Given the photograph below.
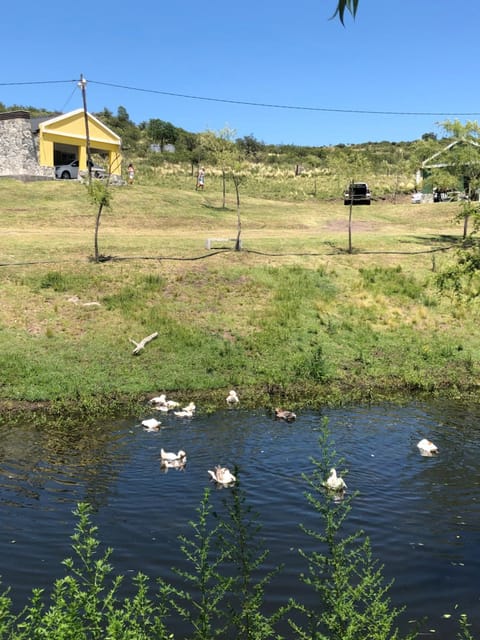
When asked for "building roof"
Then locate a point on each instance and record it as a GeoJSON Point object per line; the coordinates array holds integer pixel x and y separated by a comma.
{"type": "Point", "coordinates": [427, 164]}
{"type": "Point", "coordinates": [67, 121]}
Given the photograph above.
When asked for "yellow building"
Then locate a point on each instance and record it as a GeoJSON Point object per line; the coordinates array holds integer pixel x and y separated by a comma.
{"type": "Point", "coordinates": [64, 138]}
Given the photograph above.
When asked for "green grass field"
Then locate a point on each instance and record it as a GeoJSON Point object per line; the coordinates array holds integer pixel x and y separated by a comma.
{"type": "Point", "coordinates": [293, 315]}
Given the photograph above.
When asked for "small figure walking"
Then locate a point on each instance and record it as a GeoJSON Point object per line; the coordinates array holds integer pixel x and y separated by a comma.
{"type": "Point", "coordinates": [200, 179]}
{"type": "Point", "coordinates": [131, 173]}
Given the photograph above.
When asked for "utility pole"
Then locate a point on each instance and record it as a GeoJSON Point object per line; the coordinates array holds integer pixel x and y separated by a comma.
{"type": "Point", "coordinates": [83, 86]}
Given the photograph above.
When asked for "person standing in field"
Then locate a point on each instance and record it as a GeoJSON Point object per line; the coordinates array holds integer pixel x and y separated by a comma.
{"type": "Point", "coordinates": [200, 179]}
{"type": "Point", "coordinates": [131, 173]}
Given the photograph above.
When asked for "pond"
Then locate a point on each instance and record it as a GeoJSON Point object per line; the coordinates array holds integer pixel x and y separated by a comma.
{"type": "Point", "coordinates": [422, 513]}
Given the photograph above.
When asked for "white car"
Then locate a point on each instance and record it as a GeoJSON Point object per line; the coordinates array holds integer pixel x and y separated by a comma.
{"type": "Point", "coordinates": [70, 171]}
{"type": "Point", "coordinates": [416, 198]}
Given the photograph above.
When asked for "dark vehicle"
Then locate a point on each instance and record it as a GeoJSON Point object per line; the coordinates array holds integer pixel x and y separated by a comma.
{"type": "Point", "coordinates": [357, 193]}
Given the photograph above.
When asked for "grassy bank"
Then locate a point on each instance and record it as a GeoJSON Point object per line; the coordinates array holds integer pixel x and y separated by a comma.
{"type": "Point", "coordinates": [293, 314]}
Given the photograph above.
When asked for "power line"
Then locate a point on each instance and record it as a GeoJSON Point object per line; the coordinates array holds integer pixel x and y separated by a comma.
{"type": "Point", "coordinates": [12, 84]}
{"type": "Point", "coordinates": [283, 106]}
{"type": "Point", "coordinates": [265, 105]}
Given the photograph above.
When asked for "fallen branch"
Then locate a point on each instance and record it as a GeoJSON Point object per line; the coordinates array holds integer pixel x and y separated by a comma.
{"type": "Point", "coordinates": [140, 345]}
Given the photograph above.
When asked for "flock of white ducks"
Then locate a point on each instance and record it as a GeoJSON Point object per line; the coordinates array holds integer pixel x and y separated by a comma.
{"type": "Point", "coordinates": [178, 460]}
{"type": "Point", "coordinates": [222, 475]}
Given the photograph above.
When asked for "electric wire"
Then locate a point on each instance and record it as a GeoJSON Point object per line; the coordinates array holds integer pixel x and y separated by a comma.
{"type": "Point", "coordinates": [285, 106]}
{"type": "Point", "coordinates": [252, 103]}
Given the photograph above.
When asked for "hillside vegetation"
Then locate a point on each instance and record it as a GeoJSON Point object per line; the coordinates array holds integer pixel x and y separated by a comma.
{"type": "Point", "coordinates": [295, 315]}
{"type": "Point", "coordinates": [273, 171]}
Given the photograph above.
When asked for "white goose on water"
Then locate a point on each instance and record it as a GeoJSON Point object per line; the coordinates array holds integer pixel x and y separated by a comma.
{"type": "Point", "coordinates": [334, 482]}
{"type": "Point", "coordinates": [222, 475]}
{"type": "Point", "coordinates": [427, 448]}
{"type": "Point", "coordinates": [151, 424]}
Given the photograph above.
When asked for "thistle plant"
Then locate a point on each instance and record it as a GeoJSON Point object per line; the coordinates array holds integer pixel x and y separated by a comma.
{"type": "Point", "coordinates": [244, 552]}
{"type": "Point", "coordinates": [353, 600]}
{"type": "Point", "coordinates": [86, 603]}
{"type": "Point", "coordinates": [200, 603]}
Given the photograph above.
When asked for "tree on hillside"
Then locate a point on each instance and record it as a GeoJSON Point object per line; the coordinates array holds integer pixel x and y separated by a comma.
{"type": "Point", "coordinates": [122, 126]}
{"type": "Point", "coordinates": [462, 276]}
{"type": "Point", "coordinates": [250, 147]}
{"type": "Point", "coordinates": [161, 132]}
{"type": "Point", "coordinates": [188, 145]}
{"type": "Point", "coordinates": [219, 146]}
{"type": "Point", "coordinates": [222, 150]}
{"type": "Point", "coordinates": [464, 164]}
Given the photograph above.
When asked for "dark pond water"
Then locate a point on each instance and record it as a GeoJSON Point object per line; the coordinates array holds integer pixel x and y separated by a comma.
{"type": "Point", "coordinates": [422, 514]}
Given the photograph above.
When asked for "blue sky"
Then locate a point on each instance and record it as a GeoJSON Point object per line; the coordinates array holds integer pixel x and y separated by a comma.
{"type": "Point", "coordinates": [400, 56]}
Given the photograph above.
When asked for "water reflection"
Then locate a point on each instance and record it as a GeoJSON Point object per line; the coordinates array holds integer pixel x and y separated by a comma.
{"type": "Point", "coordinates": [422, 514]}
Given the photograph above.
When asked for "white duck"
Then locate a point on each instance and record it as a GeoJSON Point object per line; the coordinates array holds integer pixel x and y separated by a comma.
{"type": "Point", "coordinates": [170, 456]}
{"type": "Point", "coordinates": [222, 475]}
{"type": "Point", "coordinates": [232, 398]}
{"type": "Point", "coordinates": [285, 414]}
{"type": "Point", "coordinates": [167, 406]}
{"type": "Point", "coordinates": [174, 464]}
{"type": "Point", "coordinates": [427, 448]}
{"type": "Point", "coordinates": [151, 424]}
{"type": "Point", "coordinates": [334, 482]}
{"type": "Point", "coordinates": [171, 460]}
{"type": "Point", "coordinates": [159, 400]}
{"type": "Point", "coordinates": [186, 412]}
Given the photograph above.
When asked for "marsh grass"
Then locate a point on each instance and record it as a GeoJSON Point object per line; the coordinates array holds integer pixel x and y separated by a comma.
{"type": "Point", "coordinates": [292, 311]}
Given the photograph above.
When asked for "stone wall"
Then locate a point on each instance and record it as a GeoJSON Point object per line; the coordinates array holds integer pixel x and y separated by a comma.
{"type": "Point", "coordinates": [18, 150]}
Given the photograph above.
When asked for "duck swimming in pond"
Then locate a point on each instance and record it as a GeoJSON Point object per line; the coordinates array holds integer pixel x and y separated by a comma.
{"type": "Point", "coordinates": [427, 448]}
{"type": "Point", "coordinates": [222, 476]}
{"type": "Point", "coordinates": [171, 460]}
{"type": "Point", "coordinates": [170, 456]}
{"type": "Point", "coordinates": [284, 414]}
{"type": "Point", "coordinates": [151, 424]}
{"type": "Point", "coordinates": [334, 482]}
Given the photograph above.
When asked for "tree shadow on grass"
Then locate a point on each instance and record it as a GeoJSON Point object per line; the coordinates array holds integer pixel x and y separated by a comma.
{"type": "Point", "coordinates": [441, 239]}
{"type": "Point", "coordinates": [212, 207]}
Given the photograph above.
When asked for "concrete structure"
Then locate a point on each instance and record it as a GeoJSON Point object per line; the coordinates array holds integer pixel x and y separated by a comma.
{"type": "Point", "coordinates": [31, 147]}
{"type": "Point", "coordinates": [19, 149]}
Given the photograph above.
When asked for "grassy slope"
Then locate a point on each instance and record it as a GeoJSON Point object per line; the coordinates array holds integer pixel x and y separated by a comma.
{"type": "Point", "coordinates": [293, 314]}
